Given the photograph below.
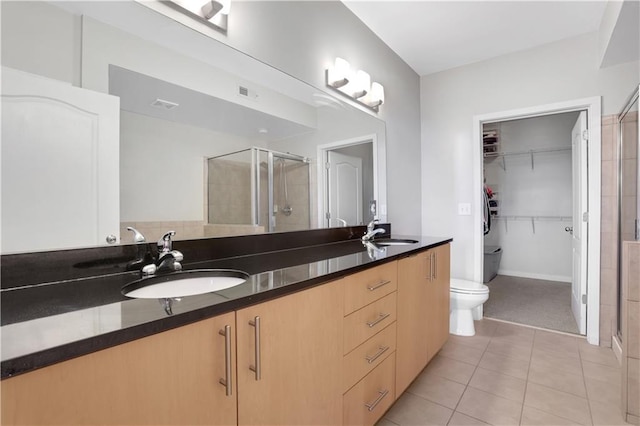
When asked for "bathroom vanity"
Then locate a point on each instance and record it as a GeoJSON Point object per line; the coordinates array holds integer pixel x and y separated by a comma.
{"type": "Point", "coordinates": [336, 344]}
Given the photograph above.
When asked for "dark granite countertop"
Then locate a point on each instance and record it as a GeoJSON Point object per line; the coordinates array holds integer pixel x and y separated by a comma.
{"type": "Point", "coordinates": [46, 323]}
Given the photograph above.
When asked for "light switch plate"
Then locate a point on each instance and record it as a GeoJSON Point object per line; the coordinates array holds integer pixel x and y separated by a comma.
{"type": "Point", "coordinates": [464, 209]}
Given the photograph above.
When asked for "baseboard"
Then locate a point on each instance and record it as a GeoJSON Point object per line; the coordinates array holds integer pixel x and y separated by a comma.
{"type": "Point", "coordinates": [557, 278]}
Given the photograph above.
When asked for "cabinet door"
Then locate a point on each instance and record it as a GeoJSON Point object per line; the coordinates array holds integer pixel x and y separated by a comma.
{"type": "Point", "coordinates": [61, 144]}
{"type": "Point", "coordinates": [438, 297]}
{"type": "Point", "coordinates": [168, 378]}
{"type": "Point", "coordinates": [411, 350]}
{"type": "Point", "coordinates": [290, 357]}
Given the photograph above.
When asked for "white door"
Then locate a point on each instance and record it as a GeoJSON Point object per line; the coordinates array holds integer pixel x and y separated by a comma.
{"type": "Point", "coordinates": [60, 156]}
{"type": "Point", "coordinates": [579, 139]}
{"type": "Point", "coordinates": [344, 189]}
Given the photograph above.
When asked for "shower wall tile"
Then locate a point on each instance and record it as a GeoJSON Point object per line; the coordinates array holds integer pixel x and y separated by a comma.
{"type": "Point", "coordinates": [609, 178]}
{"type": "Point", "coordinates": [633, 336]}
{"type": "Point", "coordinates": [608, 138]}
{"type": "Point", "coordinates": [630, 133]}
{"type": "Point", "coordinates": [629, 177]}
{"type": "Point", "coordinates": [633, 265]}
{"type": "Point", "coordinates": [608, 287]}
{"type": "Point", "coordinates": [607, 324]}
{"type": "Point", "coordinates": [633, 387]}
{"type": "Point", "coordinates": [631, 329]}
{"type": "Point", "coordinates": [609, 231]}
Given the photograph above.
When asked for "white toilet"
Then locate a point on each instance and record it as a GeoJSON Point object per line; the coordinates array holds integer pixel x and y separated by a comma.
{"type": "Point", "coordinates": [467, 298]}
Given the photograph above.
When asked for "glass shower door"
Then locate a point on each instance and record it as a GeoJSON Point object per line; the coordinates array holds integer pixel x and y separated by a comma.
{"type": "Point", "coordinates": [629, 176]}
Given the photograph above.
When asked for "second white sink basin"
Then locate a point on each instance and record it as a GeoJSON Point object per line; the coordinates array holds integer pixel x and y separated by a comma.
{"type": "Point", "coordinates": [184, 283]}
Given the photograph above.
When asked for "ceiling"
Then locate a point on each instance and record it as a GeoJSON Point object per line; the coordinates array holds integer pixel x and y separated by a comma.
{"type": "Point", "coordinates": [138, 93]}
{"type": "Point", "coordinates": [433, 36]}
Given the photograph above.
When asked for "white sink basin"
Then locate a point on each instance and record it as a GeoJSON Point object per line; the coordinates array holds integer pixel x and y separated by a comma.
{"type": "Point", "coordinates": [394, 242]}
{"type": "Point", "coordinates": [184, 283]}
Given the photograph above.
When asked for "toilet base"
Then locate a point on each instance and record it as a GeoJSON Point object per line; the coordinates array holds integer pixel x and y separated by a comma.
{"type": "Point", "coordinates": [461, 322]}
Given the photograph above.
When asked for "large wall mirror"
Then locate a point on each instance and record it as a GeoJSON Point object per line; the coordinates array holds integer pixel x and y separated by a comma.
{"type": "Point", "coordinates": [117, 116]}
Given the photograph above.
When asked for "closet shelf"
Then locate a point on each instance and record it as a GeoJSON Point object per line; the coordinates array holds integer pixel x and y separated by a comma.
{"type": "Point", "coordinates": [533, 220]}
{"type": "Point", "coordinates": [530, 152]}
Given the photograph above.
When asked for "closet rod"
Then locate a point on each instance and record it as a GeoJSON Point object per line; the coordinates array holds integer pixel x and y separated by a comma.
{"type": "Point", "coordinates": [540, 218]}
{"type": "Point", "coordinates": [531, 151]}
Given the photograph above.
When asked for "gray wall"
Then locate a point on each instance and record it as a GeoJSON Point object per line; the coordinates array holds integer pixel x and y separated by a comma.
{"type": "Point", "coordinates": [303, 38]}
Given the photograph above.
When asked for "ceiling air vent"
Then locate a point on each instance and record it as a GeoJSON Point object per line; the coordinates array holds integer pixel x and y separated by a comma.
{"type": "Point", "coordinates": [162, 104]}
{"type": "Point", "coordinates": [245, 92]}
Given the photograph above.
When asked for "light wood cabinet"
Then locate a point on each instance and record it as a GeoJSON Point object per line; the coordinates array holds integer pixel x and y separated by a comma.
{"type": "Point", "coordinates": [438, 299]}
{"type": "Point", "coordinates": [411, 350]}
{"type": "Point", "coordinates": [169, 378]}
{"type": "Point", "coordinates": [423, 311]}
{"type": "Point", "coordinates": [364, 323]}
{"type": "Point", "coordinates": [299, 358]}
{"type": "Point", "coordinates": [367, 286]}
{"type": "Point", "coordinates": [360, 361]}
{"type": "Point", "coordinates": [367, 401]}
{"type": "Point", "coordinates": [338, 353]}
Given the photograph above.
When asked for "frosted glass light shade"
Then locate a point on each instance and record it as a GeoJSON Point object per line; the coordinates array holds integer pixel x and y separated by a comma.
{"type": "Point", "coordinates": [226, 7]}
{"type": "Point", "coordinates": [362, 84]}
{"type": "Point", "coordinates": [338, 74]}
{"type": "Point", "coordinates": [376, 96]}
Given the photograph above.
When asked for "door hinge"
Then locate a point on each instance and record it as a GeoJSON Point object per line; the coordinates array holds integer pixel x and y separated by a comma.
{"type": "Point", "coordinates": [584, 299]}
{"type": "Point", "coordinates": [585, 217]}
{"type": "Point", "coordinates": [327, 215]}
{"type": "Point", "coordinates": [585, 135]}
{"type": "Point", "coordinates": [327, 165]}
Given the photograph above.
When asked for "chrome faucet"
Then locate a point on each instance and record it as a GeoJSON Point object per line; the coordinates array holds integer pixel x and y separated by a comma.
{"type": "Point", "coordinates": [143, 255]}
{"type": "Point", "coordinates": [371, 231]}
{"type": "Point", "coordinates": [168, 259]}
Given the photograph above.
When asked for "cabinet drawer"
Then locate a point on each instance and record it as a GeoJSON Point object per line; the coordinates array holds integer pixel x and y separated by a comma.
{"type": "Point", "coordinates": [367, 401]}
{"type": "Point", "coordinates": [360, 361]}
{"type": "Point", "coordinates": [365, 322]}
{"type": "Point", "coordinates": [367, 286]}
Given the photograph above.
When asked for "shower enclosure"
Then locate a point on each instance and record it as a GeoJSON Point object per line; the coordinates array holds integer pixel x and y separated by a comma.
{"type": "Point", "coordinates": [257, 190]}
{"type": "Point", "coordinates": [628, 182]}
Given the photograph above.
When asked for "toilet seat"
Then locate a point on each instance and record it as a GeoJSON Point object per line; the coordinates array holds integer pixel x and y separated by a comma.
{"type": "Point", "coordinates": [484, 290]}
{"type": "Point", "coordinates": [467, 287]}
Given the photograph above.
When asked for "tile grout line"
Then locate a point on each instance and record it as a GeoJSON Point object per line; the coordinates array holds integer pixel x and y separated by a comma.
{"type": "Point", "coordinates": [584, 382]}
{"type": "Point", "coordinates": [455, 410]}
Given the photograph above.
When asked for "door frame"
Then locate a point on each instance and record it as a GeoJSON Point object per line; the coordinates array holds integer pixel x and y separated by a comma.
{"type": "Point", "coordinates": [322, 173]}
{"type": "Point", "coordinates": [594, 116]}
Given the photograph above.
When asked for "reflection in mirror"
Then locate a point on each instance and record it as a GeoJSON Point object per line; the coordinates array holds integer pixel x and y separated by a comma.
{"type": "Point", "coordinates": [183, 98]}
{"type": "Point", "coordinates": [257, 190]}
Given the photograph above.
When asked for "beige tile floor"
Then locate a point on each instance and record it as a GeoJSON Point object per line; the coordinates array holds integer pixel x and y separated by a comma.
{"type": "Point", "coordinates": [513, 375]}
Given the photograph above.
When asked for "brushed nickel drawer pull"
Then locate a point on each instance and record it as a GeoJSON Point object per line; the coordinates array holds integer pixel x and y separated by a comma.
{"type": "Point", "coordinates": [381, 317]}
{"type": "Point", "coordinates": [377, 286]}
{"type": "Point", "coordinates": [382, 350]}
{"type": "Point", "coordinates": [256, 369]}
{"type": "Point", "coordinates": [372, 405]}
{"type": "Point", "coordinates": [226, 382]}
{"type": "Point", "coordinates": [435, 265]}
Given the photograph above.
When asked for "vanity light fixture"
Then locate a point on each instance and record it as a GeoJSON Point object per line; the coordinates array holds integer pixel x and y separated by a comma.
{"type": "Point", "coordinates": [338, 75]}
{"type": "Point", "coordinates": [215, 13]}
{"type": "Point", "coordinates": [354, 84]}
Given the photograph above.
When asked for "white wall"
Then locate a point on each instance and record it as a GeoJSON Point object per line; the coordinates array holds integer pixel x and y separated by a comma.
{"type": "Point", "coordinates": [155, 183]}
{"type": "Point", "coordinates": [543, 249]}
{"type": "Point", "coordinates": [41, 39]}
{"type": "Point", "coordinates": [302, 38]}
{"type": "Point", "coordinates": [556, 72]}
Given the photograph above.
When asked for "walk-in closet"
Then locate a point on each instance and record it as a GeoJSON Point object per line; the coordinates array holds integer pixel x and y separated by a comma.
{"type": "Point", "coordinates": [530, 180]}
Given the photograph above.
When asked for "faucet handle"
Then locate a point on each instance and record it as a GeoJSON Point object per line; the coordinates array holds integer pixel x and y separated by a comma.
{"type": "Point", "coordinates": [137, 235]}
{"type": "Point", "coordinates": [164, 243]}
{"type": "Point", "coordinates": [372, 224]}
